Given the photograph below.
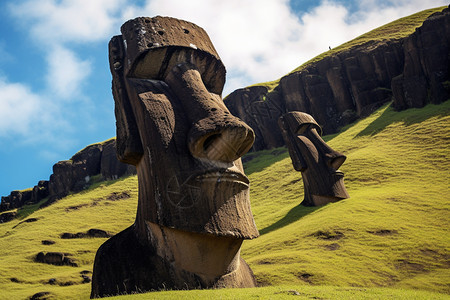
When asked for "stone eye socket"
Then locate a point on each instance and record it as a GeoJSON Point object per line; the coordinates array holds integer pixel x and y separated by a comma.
{"type": "Point", "coordinates": [302, 128]}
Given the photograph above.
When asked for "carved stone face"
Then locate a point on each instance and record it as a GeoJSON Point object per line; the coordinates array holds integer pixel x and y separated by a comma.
{"type": "Point", "coordinates": [318, 162]}
{"type": "Point", "coordinates": [183, 140]}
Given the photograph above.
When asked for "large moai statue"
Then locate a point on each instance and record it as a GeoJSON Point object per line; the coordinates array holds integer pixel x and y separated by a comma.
{"type": "Point", "coordinates": [310, 155]}
{"type": "Point", "coordinates": [194, 208]}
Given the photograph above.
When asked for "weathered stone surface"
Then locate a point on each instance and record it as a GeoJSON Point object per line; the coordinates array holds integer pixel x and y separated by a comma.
{"type": "Point", "coordinates": [342, 87]}
{"type": "Point", "coordinates": [5, 203]}
{"type": "Point", "coordinates": [72, 176]}
{"type": "Point", "coordinates": [16, 199]}
{"type": "Point", "coordinates": [93, 232]}
{"type": "Point", "coordinates": [111, 168]}
{"type": "Point", "coordinates": [47, 242]}
{"type": "Point", "coordinates": [141, 269]}
{"type": "Point", "coordinates": [86, 279]}
{"type": "Point", "coordinates": [75, 174]}
{"type": "Point", "coordinates": [425, 77]}
{"type": "Point", "coordinates": [260, 111]}
{"type": "Point", "coordinates": [319, 164]}
{"type": "Point", "coordinates": [90, 157]}
{"type": "Point", "coordinates": [40, 191]}
{"type": "Point", "coordinates": [186, 145]}
{"type": "Point", "coordinates": [90, 233]}
{"type": "Point", "coordinates": [56, 258]}
{"type": "Point", "coordinates": [7, 216]}
{"type": "Point", "coordinates": [334, 90]}
{"type": "Point", "coordinates": [68, 235]}
{"type": "Point", "coordinates": [169, 41]}
{"type": "Point", "coordinates": [42, 296]}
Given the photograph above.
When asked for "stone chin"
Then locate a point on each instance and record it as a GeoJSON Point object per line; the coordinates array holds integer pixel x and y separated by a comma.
{"type": "Point", "coordinates": [336, 191]}
{"type": "Point", "coordinates": [217, 197]}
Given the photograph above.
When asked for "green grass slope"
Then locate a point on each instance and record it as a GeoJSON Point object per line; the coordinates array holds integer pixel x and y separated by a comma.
{"type": "Point", "coordinates": [389, 240]}
{"type": "Point", "coordinates": [392, 232]}
{"type": "Point", "coordinates": [102, 207]}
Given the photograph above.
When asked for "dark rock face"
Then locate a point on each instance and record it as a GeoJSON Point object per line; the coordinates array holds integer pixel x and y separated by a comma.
{"type": "Point", "coordinates": [47, 242]}
{"type": "Point", "coordinates": [56, 258]}
{"type": "Point", "coordinates": [90, 233]}
{"type": "Point", "coordinates": [42, 296]}
{"type": "Point", "coordinates": [194, 209]}
{"type": "Point", "coordinates": [310, 155]}
{"type": "Point", "coordinates": [110, 167]}
{"type": "Point", "coordinates": [75, 174]}
{"type": "Point", "coordinates": [260, 111]}
{"type": "Point", "coordinates": [40, 191]}
{"type": "Point", "coordinates": [340, 88]}
{"type": "Point", "coordinates": [72, 175]}
{"type": "Point", "coordinates": [425, 76]}
{"type": "Point", "coordinates": [7, 216]}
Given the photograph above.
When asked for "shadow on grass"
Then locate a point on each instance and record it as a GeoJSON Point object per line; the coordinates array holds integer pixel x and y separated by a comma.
{"type": "Point", "coordinates": [293, 215]}
{"type": "Point", "coordinates": [408, 117]}
{"type": "Point", "coordinates": [26, 210]}
{"type": "Point", "coordinates": [259, 160]}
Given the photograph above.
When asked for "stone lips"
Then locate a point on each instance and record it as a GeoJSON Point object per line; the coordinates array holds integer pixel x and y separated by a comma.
{"type": "Point", "coordinates": [168, 159]}
{"type": "Point", "coordinates": [340, 88]}
{"type": "Point", "coordinates": [193, 206]}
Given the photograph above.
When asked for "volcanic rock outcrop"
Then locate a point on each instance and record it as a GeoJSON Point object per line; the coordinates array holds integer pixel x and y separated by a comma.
{"type": "Point", "coordinates": [341, 87]}
{"type": "Point", "coordinates": [73, 175]}
{"type": "Point", "coordinates": [194, 208]}
{"type": "Point", "coordinates": [319, 163]}
{"type": "Point", "coordinates": [56, 258]}
{"type": "Point", "coordinates": [425, 77]}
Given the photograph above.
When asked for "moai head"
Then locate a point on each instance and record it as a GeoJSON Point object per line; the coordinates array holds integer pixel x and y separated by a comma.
{"type": "Point", "coordinates": [318, 162]}
{"type": "Point", "coordinates": [174, 127]}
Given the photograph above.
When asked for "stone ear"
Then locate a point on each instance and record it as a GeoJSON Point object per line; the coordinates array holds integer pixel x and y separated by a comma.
{"type": "Point", "coordinates": [297, 160]}
{"type": "Point", "coordinates": [129, 146]}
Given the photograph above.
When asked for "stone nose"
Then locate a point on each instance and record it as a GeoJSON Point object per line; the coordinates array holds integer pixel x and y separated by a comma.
{"type": "Point", "coordinates": [220, 138]}
{"type": "Point", "coordinates": [215, 134]}
{"type": "Point", "coordinates": [333, 158]}
{"type": "Point", "coordinates": [336, 159]}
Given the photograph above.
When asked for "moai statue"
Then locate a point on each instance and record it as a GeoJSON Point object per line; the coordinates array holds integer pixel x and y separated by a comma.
{"type": "Point", "coordinates": [318, 162]}
{"type": "Point", "coordinates": [194, 208]}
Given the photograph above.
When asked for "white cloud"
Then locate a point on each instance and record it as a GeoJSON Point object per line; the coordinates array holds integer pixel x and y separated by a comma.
{"type": "Point", "coordinates": [252, 37]}
{"type": "Point", "coordinates": [66, 73]}
{"type": "Point", "coordinates": [258, 40]}
{"type": "Point", "coordinates": [79, 21]}
{"type": "Point", "coordinates": [19, 108]}
{"type": "Point", "coordinates": [261, 40]}
{"type": "Point", "coordinates": [29, 118]}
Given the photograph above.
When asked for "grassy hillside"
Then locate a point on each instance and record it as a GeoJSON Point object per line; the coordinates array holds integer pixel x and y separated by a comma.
{"type": "Point", "coordinates": [393, 231]}
{"type": "Point", "coordinates": [395, 30]}
{"type": "Point", "coordinates": [390, 239]}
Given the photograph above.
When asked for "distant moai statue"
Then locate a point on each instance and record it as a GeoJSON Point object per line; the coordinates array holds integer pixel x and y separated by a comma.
{"type": "Point", "coordinates": [318, 162]}
{"type": "Point", "coordinates": [194, 208]}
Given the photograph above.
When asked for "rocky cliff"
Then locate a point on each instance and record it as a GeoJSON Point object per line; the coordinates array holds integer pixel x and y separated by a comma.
{"type": "Point", "coordinates": [344, 86]}
{"type": "Point", "coordinates": [72, 175]}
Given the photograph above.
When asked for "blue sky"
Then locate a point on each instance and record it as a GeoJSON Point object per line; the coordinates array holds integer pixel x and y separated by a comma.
{"type": "Point", "coordinates": [55, 94]}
